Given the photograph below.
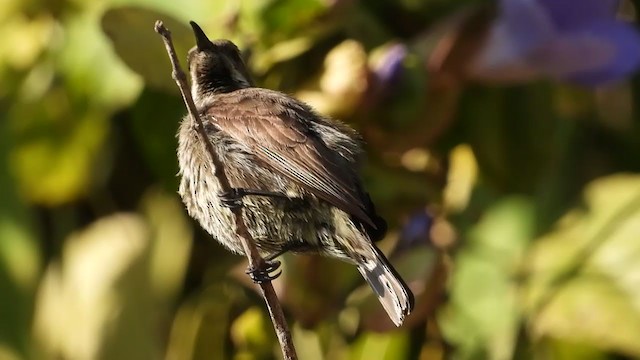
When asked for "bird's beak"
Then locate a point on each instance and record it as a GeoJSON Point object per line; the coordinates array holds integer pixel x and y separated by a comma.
{"type": "Point", "coordinates": [202, 41]}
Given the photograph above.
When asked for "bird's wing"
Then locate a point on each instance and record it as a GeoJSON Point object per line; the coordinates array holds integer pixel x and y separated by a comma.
{"type": "Point", "coordinates": [276, 133]}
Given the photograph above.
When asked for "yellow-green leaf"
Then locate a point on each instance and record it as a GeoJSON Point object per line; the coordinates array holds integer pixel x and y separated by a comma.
{"type": "Point", "coordinates": [131, 31]}
{"type": "Point", "coordinates": [584, 277]}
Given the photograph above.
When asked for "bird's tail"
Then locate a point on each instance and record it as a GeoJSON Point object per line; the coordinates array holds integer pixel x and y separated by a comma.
{"type": "Point", "coordinates": [392, 292]}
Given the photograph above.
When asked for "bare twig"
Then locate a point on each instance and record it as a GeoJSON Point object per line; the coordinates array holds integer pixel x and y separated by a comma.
{"type": "Point", "coordinates": [248, 244]}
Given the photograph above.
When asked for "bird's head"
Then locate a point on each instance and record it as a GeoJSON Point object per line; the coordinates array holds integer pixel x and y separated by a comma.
{"type": "Point", "coordinates": [215, 66]}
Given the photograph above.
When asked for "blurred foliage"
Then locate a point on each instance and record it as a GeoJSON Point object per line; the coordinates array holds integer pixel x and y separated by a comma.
{"type": "Point", "coordinates": [514, 211]}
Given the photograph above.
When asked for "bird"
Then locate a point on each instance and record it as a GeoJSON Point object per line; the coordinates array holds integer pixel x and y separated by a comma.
{"type": "Point", "coordinates": [294, 172]}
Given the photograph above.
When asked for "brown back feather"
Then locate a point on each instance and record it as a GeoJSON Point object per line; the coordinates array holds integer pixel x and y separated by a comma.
{"type": "Point", "coordinates": [274, 127]}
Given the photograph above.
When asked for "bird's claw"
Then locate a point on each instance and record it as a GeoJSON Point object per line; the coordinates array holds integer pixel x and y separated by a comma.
{"type": "Point", "coordinates": [261, 275]}
{"type": "Point", "coordinates": [232, 198]}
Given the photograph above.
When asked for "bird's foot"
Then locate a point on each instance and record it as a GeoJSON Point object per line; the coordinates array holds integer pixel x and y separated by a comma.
{"type": "Point", "coordinates": [290, 246]}
{"type": "Point", "coordinates": [232, 198]}
{"type": "Point", "coordinates": [260, 275]}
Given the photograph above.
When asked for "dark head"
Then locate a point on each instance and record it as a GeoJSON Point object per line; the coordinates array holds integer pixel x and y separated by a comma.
{"type": "Point", "coordinates": [215, 66]}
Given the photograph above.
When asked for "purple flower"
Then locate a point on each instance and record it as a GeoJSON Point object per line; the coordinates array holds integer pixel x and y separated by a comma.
{"type": "Point", "coordinates": [390, 67]}
{"type": "Point", "coordinates": [575, 41]}
{"type": "Point", "coordinates": [415, 231]}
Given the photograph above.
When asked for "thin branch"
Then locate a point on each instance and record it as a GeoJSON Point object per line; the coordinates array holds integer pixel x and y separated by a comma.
{"type": "Point", "coordinates": [248, 244]}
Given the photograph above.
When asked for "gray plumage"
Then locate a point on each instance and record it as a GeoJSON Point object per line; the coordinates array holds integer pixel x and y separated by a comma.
{"type": "Point", "coordinates": [271, 142]}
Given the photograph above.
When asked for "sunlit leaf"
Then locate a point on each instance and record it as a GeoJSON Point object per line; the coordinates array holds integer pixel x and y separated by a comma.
{"type": "Point", "coordinates": [282, 51]}
{"type": "Point", "coordinates": [172, 239]}
{"type": "Point", "coordinates": [343, 81]}
{"type": "Point", "coordinates": [96, 302]}
{"type": "Point", "coordinates": [24, 39]}
{"type": "Point", "coordinates": [387, 346]}
{"type": "Point", "coordinates": [281, 19]}
{"type": "Point", "coordinates": [584, 277]}
{"type": "Point", "coordinates": [307, 343]}
{"type": "Point", "coordinates": [253, 335]}
{"type": "Point", "coordinates": [483, 315]}
{"type": "Point", "coordinates": [91, 67]}
{"type": "Point", "coordinates": [55, 154]}
{"type": "Point", "coordinates": [564, 350]}
{"type": "Point", "coordinates": [201, 326]}
{"type": "Point", "coordinates": [585, 310]}
{"type": "Point", "coordinates": [7, 353]}
{"type": "Point", "coordinates": [60, 126]}
{"type": "Point", "coordinates": [463, 173]}
{"type": "Point", "coordinates": [131, 30]}
{"type": "Point", "coordinates": [184, 11]}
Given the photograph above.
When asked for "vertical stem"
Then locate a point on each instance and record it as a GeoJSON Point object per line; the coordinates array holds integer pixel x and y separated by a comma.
{"type": "Point", "coordinates": [248, 244]}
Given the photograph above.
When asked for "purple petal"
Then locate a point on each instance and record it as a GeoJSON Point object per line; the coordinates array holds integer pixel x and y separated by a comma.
{"type": "Point", "coordinates": [572, 53]}
{"type": "Point", "coordinates": [625, 41]}
{"type": "Point", "coordinates": [416, 230]}
{"type": "Point", "coordinates": [571, 14]}
{"type": "Point", "coordinates": [390, 67]}
{"type": "Point", "coordinates": [520, 31]}
{"type": "Point", "coordinates": [579, 42]}
{"type": "Point", "coordinates": [524, 24]}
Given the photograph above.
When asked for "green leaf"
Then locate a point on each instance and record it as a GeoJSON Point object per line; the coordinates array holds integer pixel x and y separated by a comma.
{"type": "Point", "coordinates": [386, 346]}
{"type": "Point", "coordinates": [591, 310]}
{"type": "Point", "coordinates": [200, 328]}
{"type": "Point", "coordinates": [280, 52]}
{"type": "Point", "coordinates": [131, 30]}
{"type": "Point", "coordinates": [583, 277]}
{"type": "Point", "coordinates": [307, 343]}
{"type": "Point", "coordinates": [184, 11]}
{"type": "Point", "coordinates": [253, 334]}
{"type": "Point", "coordinates": [171, 246]}
{"type": "Point", "coordinates": [57, 146]}
{"type": "Point", "coordinates": [60, 119]}
{"type": "Point", "coordinates": [90, 67]}
{"type": "Point", "coordinates": [97, 303]}
{"type": "Point", "coordinates": [315, 287]}
{"type": "Point", "coordinates": [563, 350]}
{"type": "Point", "coordinates": [508, 128]}
{"type": "Point", "coordinates": [155, 120]}
{"type": "Point", "coordinates": [483, 316]}
{"type": "Point", "coordinates": [19, 260]}
{"type": "Point", "coordinates": [281, 19]}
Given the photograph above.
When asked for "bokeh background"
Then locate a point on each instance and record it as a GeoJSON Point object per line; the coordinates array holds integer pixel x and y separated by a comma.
{"type": "Point", "coordinates": [504, 151]}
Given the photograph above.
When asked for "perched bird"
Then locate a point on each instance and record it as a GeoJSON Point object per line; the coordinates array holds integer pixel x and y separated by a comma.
{"type": "Point", "coordinates": [293, 171]}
